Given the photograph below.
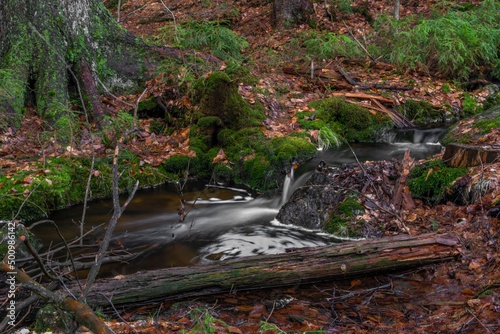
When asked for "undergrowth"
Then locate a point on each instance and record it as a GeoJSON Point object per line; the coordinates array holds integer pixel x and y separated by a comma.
{"type": "Point", "coordinates": [208, 36]}
{"type": "Point", "coordinates": [457, 43]}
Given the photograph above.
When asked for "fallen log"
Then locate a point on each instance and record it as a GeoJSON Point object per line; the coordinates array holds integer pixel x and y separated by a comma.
{"type": "Point", "coordinates": [459, 155]}
{"type": "Point", "coordinates": [298, 266]}
{"type": "Point", "coordinates": [364, 96]}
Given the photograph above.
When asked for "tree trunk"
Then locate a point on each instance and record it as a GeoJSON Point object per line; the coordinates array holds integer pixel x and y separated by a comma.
{"type": "Point", "coordinates": [45, 43]}
{"type": "Point", "coordinates": [396, 9]}
{"type": "Point", "coordinates": [287, 12]}
{"type": "Point", "coordinates": [298, 266]}
{"type": "Point", "coordinates": [459, 155]}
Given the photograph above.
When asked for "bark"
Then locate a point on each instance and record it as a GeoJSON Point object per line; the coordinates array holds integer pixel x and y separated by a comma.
{"type": "Point", "coordinates": [298, 266]}
{"type": "Point", "coordinates": [458, 155]}
{"type": "Point", "coordinates": [43, 42]}
{"type": "Point", "coordinates": [287, 12]}
{"type": "Point", "coordinates": [82, 313]}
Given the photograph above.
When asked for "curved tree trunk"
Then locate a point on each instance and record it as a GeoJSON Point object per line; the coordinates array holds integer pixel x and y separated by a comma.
{"type": "Point", "coordinates": [44, 42]}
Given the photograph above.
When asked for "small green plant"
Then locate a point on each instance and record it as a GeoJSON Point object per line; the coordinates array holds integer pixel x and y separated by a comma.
{"type": "Point", "coordinates": [268, 327]}
{"type": "Point", "coordinates": [470, 106]}
{"type": "Point", "coordinates": [209, 36]}
{"type": "Point", "coordinates": [327, 138]}
{"type": "Point", "coordinates": [456, 43]}
{"type": "Point", "coordinates": [115, 127]}
{"type": "Point", "coordinates": [204, 322]}
{"type": "Point", "coordinates": [344, 6]}
{"type": "Point", "coordinates": [330, 45]}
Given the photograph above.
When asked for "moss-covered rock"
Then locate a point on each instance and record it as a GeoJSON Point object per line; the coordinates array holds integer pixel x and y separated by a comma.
{"type": "Point", "coordinates": [432, 180]}
{"type": "Point", "coordinates": [353, 122]}
{"type": "Point", "coordinates": [51, 318]}
{"type": "Point", "coordinates": [421, 112]}
{"type": "Point", "coordinates": [220, 98]}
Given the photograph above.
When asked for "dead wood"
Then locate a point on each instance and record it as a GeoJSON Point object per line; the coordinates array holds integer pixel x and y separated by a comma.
{"type": "Point", "coordinates": [82, 313]}
{"type": "Point", "coordinates": [459, 155]}
{"type": "Point", "coordinates": [308, 265]}
{"type": "Point", "coordinates": [399, 120]}
{"type": "Point", "coordinates": [365, 96]}
{"type": "Point", "coordinates": [402, 194]}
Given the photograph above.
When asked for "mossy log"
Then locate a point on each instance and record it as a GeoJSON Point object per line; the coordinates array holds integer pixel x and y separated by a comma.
{"type": "Point", "coordinates": [297, 266]}
{"type": "Point", "coordinates": [459, 155]}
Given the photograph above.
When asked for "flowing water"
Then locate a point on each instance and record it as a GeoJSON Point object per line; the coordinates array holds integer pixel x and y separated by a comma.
{"type": "Point", "coordinates": [223, 222]}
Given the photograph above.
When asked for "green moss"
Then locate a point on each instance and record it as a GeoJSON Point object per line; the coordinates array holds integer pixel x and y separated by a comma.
{"type": "Point", "coordinates": [220, 98]}
{"type": "Point", "coordinates": [147, 105]}
{"type": "Point", "coordinates": [340, 222]}
{"type": "Point", "coordinates": [206, 122]}
{"type": "Point", "coordinates": [421, 112]}
{"type": "Point", "coordinates": [177, 164]}
{"type": "Point", "coordinates": [351, 121]}
{"type": "Point", "coordinates": [62, 182]}
{"type": "Point", "coordinates": [431, 186]}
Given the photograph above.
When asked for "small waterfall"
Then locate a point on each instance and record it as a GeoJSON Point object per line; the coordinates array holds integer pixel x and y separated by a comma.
{"type": "Point", "coordinates": [287, 185]}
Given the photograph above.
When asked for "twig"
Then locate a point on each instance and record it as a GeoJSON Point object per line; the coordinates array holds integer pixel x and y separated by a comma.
{"type": "Point", "coordinates": [114, 96]}
{"type": "Point", "coordinates": [117, 209]}
{"type": "Point", "coordinates": [118, 313]}
{"type": "Point", "coordinates": [361, 45]}
{"type": "Point", "coordinates": [175, 24]}
{"type": "Point", "coordinates": [479, 320]}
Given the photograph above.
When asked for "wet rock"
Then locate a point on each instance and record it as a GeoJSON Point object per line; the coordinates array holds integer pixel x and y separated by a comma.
{"type": "Point", "coordinates": [309, 204]}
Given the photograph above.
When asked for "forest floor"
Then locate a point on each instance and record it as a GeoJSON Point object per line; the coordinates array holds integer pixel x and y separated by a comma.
{"type": "Point", "coordinates": [462, 296]}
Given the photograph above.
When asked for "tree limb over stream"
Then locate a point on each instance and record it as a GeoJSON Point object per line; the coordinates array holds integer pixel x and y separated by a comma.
{"type": "Point", "coordinates": [298, 266]}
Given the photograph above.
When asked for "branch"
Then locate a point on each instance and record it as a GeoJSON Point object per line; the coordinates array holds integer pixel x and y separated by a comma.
{"type": "Point", "coordinates": [82, 313]}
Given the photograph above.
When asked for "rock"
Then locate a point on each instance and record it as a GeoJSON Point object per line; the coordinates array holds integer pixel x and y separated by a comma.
{"type": "Point", "coordinates": [51, 318]}
{"type": "Point", "coordinates": [309, 204]}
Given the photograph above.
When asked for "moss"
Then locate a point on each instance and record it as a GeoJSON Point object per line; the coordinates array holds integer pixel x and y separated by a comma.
{"type": "Point", "coordinates": [421, 112]}
{"type": "Point", "coordinates": [62, 182]}
{"type": "Point", "coordinates": [17, 230]}
{"type": "Point", "coordinates": [340, 221]}
{"type": "Point", "coordinates": [52, 318]}
{"type": "Point", "coordinates": [206, 122]}
{"type": "Point", "coordinates": [220, 98]}
{"type": "Point", "coordinates": [177, 164]}
{"type": "Point", "coordinates": [353, 122]}
{"type": "Point", "coordinates": [223, 174]}
{"type": "Point", "coordinates": [147, 105]}
{"type": "Point", "coordinates": [430, 181]}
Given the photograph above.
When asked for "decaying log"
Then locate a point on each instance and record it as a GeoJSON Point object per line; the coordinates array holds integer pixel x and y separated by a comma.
{"type": "Point", "coordinates": [459, 155]}
{"type": "Point", "coordinates": [402, 195]}
{"type": "Point", "coordinates": [298, 266]}
{"type": "Point", "coordinates": [365, 96]}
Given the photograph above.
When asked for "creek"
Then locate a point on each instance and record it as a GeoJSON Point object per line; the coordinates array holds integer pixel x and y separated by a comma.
{"type": "Point", "coordinates": [223, 222]}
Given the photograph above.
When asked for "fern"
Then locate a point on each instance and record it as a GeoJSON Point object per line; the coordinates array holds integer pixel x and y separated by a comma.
{"type": "Point", "coordinates": [455, 44]}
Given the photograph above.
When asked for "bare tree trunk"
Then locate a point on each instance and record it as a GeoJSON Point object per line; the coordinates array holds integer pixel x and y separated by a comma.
{"type": "Point", "coordinates": [396, 9]}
